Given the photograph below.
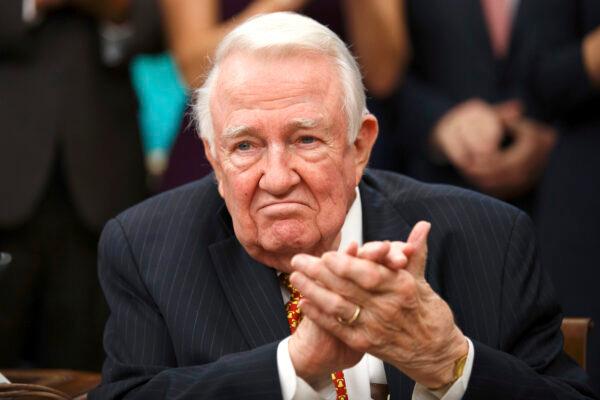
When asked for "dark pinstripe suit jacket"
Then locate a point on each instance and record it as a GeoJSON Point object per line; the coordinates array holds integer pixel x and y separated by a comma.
{"type": "Point", "coordinates": [193, 316]}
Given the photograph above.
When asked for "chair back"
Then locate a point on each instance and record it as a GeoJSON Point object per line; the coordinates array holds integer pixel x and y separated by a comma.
{"type": "Point", "coordinates": [575, 332]}
{"type": "Point", "coordinates": [55, 384]}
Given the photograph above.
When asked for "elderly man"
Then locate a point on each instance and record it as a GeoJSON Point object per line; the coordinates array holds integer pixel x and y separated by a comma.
{"type": "Point", "coordinates": [194, 277]}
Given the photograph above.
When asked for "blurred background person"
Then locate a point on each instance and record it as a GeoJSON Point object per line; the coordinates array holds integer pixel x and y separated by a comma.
{"type": "Point", "coordinates": [566, 80]}
{"type": "Point", "coordinates": [375, 29]}
{"type": "Point", "coordinates": [502, 96]}
{"type": "Point", "coordinates": [70, 158]}
{"type": "Point", "coordinates": [465, 115]}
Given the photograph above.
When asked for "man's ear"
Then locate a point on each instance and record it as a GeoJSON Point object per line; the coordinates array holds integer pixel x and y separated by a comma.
{"type": "Point", "coordinates": [214, 164]}
{"type": "Point", "coordinates": [363, 144]}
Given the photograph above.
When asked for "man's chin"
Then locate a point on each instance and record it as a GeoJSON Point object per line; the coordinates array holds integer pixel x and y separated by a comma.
{"type": "Point", "coordinates": [287, 245]}
{"type": "Point", "coordinates": [277, 254]}
{"type": "Point", "coordinates": [288, 240]}
{"type": "Point", "coordinates": [284, 233]}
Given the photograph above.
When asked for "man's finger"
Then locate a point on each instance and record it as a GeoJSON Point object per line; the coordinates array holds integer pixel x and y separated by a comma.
{"type": "Point", "coordinates": [330, 324]}
{"type": "Point", "coordinates": [328, 301]}
{"type": "Point", "coordinates": [418, 238]}
{"type": "Point", "coordinates": [374, 251]}
{"type": "Point", "coordinates": [397, 257]}
{"type": "Point", "coordinates": [314, 268]}
{"type": "Point", "coordinates": [509, 111]}
{"type": "Point", "coordinates": [365, 274]}
{"type": "Point", "coordinates": [352, 249]}
{"type": "Point", "coordinates": [393, 255]}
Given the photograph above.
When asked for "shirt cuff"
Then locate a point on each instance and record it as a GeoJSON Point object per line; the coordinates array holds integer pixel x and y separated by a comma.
{"type": "Point", "coordinates": [3, 379]}
{"type": "Point", "coordinates": [454, 392]}
{"type": "Point", "coordinates": [292, 386]}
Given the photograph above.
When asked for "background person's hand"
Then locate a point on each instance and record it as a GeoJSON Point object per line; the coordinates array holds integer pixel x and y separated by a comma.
{"type": "Point", "coordinates": [516, 169]}
{"type": "Point", "coordinates": [402, 320]}
{"type": "Point", "coordinates": [470, 131]}
{"type": "Point", "coordinates": [473, 131]}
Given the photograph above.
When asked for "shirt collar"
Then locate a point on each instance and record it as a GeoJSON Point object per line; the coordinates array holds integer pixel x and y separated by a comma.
{"type": "Point", "coordinates": [352, 229]}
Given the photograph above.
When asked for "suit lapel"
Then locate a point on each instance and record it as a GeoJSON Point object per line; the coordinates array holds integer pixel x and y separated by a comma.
{"type": "Point", "coordinates": [380, 220]}
{"type": "Point", "coordinates": [383, 221]}
{"type": "Point", "coordinates": [517, 25]}
{"type": "Point", "coordinates": [252, 291]}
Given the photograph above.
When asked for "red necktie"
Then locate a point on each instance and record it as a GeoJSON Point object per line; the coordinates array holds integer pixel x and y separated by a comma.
{"type": "Point", "coordinates": [498, 17]}
{"type": "Point", "coordinates": [294, 316]}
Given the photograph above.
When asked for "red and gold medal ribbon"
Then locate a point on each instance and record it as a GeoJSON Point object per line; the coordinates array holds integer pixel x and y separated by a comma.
{"type": "Point", "coordinates": [294, 316]}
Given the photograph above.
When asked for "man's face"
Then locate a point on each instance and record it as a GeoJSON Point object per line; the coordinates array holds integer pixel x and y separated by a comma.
{"type": "Point", "coordinates": [283, 162]}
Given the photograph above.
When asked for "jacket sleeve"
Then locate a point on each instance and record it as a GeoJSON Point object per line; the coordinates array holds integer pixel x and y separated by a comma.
{"type": "Point", "coordinates": [140, 361]}
{"type": "Point", "coordinates": [529, 363]}
{"type": "Point", "coordinates": [560, 81]}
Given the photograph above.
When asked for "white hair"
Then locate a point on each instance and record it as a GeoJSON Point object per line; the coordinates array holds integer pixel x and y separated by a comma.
{"type": "Point", "coordinates": [285, 33]}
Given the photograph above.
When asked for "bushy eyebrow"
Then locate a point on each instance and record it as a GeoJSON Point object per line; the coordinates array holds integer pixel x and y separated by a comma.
{"type": "Point", "coordinates": [304, 123]}
{"type": "Point", "coordinates": [233, 132]}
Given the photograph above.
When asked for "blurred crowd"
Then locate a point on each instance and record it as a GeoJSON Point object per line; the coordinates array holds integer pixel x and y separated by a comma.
{"type": "Point", "coordinates": [499, 96]}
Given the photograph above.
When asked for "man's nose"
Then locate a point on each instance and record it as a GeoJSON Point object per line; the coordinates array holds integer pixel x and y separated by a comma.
{"type": "Point", "coordinates": [279, 175]}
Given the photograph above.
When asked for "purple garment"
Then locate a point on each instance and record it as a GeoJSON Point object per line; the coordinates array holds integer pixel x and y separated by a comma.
{"type": "Point", "coordinates": [187, 161]}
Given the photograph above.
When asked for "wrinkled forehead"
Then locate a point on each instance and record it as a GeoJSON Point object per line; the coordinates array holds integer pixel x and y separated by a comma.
{"type": "Point", "coordinates": [246, 73]}
{"type": "Point", "coordinates": [271, 81]}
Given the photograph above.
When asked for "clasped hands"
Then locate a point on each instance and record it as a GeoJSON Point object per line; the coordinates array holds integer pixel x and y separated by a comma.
{"type": "Point", "coordinates": [402, 320]}
{"type": "Point", "coordinates": [470, 137]}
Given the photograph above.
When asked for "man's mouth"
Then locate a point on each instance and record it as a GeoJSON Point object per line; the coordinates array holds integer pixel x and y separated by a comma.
{"type": "Point", "coordinates": [282, 207]}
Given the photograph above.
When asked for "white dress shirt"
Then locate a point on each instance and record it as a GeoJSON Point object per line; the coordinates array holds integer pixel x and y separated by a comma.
{"type": "Point", "coordinates": [369, 369]}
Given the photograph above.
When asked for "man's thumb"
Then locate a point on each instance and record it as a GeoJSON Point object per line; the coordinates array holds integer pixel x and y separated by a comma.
{"type": "Point", "coordinates": [418, 240]}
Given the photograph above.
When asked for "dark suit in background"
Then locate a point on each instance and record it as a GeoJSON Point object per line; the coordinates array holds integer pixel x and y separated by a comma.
{"type": "Point", "coordinates": [194, 316]}
{"type": "Point", "coordinates": [568, 217]}
{"type": "Point", "coordinates": [70, 157]}
{"type": "Point", "coordinates": [452, 61]}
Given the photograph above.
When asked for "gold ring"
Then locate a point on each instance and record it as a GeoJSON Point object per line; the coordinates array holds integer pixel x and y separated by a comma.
{"type": "Point", "coordinates": [351, 320]}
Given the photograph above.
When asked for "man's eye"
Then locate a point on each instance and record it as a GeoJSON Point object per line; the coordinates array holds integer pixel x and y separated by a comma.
{"type": "Point", "coordinates": [244, 146]}
{"type": "Point", "coordinates": [307, 139]}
